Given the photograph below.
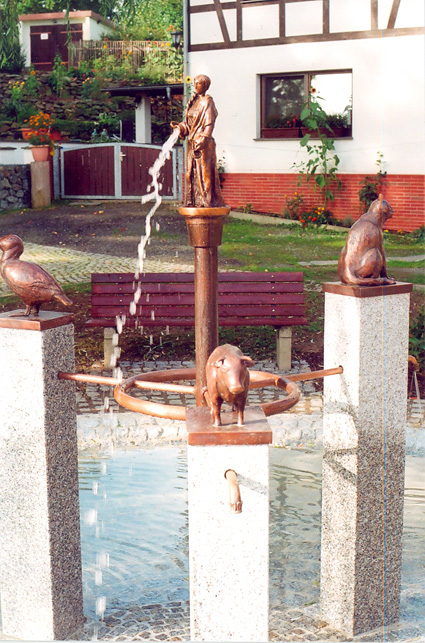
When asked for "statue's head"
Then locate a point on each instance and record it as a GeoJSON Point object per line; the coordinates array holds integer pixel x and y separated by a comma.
{"type": "Point", "coordinates": [380, 206]}
{"type": "Point", "coordinates": [205, 81]}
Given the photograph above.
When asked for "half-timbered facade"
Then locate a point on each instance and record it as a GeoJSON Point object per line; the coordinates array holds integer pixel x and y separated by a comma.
{"type": "Point", "coordinates": [364, 58]}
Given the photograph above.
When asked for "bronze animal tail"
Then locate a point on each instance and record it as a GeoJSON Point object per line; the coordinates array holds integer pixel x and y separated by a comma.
{"type": "Point", "coordinates": [60, 296]}
{"type": "Point", "coordinates": [370, 281]}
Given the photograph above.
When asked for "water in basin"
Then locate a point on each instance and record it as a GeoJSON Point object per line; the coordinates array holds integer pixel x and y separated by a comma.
{"type": "Point", "coordinates": [135, 541]}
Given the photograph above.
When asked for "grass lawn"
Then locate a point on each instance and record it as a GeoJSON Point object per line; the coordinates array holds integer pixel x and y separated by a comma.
{"type": "Point", "coordinates": [280, 247]}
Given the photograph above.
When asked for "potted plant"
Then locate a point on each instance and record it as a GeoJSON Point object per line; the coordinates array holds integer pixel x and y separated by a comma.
{"type": "Point", "coordinates": [41, 144]}
{"type": "Point", "coordinates": [40, 121]}
{"type": "Point", "coordinates": [338, 124]}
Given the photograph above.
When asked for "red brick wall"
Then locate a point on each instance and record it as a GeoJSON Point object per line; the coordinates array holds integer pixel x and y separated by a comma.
{"type": "Point", "coordinates": [268, 192]}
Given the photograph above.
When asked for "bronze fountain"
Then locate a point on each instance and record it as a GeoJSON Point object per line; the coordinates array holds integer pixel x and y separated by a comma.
{"type": "Point", "coordinates": [221, 373]}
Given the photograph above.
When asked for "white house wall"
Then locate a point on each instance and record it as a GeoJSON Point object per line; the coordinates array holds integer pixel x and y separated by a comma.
{"type": "Point", "coordinates": [346, 15]}
{"type": "Point", "coordinates": [260, 22]}
{"type": "Point", "coordinates": [93, 30]}
{"type": "Point", "coordinates": [388, 101]}
{"type": "Point", "coordinates": [303, 18]}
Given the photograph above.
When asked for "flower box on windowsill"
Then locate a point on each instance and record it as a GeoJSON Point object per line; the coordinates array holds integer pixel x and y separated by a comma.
{"type": "Point", "coordinates": [337, 132]}
{"type": "Point", "coordinates": [280, 132]}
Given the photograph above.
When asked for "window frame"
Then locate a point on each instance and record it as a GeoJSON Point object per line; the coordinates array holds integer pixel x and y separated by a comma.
{"type": "Point", "coordinates": [308, 75]}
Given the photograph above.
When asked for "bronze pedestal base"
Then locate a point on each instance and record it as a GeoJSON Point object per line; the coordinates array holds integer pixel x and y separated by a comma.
{"type": "Point", "coordinates": [205, 227]}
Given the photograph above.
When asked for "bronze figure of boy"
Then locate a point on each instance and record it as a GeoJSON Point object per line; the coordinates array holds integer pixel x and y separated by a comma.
{"type": "Point", "coordinates": [202, 181]}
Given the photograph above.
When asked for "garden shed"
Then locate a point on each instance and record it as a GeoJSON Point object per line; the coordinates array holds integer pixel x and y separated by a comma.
{"type": "Point", "coordinates": [44, 35]}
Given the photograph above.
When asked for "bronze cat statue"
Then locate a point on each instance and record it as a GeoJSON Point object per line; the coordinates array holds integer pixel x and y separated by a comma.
{"type": "Point", "coordinates": [362, 260]}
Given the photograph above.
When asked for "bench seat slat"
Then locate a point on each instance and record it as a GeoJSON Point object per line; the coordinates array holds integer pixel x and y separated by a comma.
{"type": "Point", "coordinates": [188, 277]}
{"type": "Point", "coordinates": [224, 312]}
{"type": "Point", "coordinates": [190, 322]}
{"type": "Point", "coordinates": [152, 277]}
{"type": "Point", "coordinates": [223, 287]}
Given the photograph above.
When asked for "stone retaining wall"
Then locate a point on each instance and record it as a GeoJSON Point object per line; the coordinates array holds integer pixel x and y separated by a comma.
{"type": "Point", "coordinates": [72, 105]}
{"type": "Point", "coordinates": [15, 187]}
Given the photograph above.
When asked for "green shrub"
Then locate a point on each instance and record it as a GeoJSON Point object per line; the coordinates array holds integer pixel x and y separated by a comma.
{"type": "Point", "coordinates": [294, 206]}
{"type": "Point", "coordinates": [419, 234]}
{"type": "Point", "coordinates": [76, 128]}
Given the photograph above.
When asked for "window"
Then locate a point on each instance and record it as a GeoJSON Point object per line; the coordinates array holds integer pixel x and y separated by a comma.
{"type": "Point", "coordinates": [283, 97]}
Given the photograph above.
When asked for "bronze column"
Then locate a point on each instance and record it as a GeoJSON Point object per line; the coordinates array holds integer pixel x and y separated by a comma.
{"type": "Point", "coordinates": [205, 227]}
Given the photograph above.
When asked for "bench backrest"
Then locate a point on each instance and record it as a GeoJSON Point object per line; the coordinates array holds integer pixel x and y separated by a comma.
{"type": "Point", "coordinates": [244, 298]}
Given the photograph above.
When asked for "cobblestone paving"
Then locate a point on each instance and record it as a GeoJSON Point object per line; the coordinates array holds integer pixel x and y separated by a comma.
{"type": "Point", "coordinates": [171, 622]}
{"type": "Point", "coordinates": [135, 622]}
{"type": "Point", "coordinates": [70, 266]}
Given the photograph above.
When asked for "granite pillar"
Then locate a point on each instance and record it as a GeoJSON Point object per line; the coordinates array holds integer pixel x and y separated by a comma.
{"type": "Point", "coordinates": [40, 557]}
{"type": "Point", "coordinates": [366, 332]}
{"type": "Point", "coordinates": [228, 553]}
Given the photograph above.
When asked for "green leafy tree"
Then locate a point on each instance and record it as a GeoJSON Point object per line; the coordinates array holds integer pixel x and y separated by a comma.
{"type": "Point", "coordinates": [104, 7]}
{"type": "Point", "coordinates": [149, 17]}
{"type": "Point", "coordinates": [11, 56]}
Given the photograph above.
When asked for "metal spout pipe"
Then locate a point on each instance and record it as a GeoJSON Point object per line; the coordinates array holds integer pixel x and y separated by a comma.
{"type": "Point", "coordinates": [235, 501]}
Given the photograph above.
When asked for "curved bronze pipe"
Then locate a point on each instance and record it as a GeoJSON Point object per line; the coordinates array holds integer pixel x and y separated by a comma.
{"type": "Point", "coordinates": [166, 386]}
{"type": "Point", "coordinates": [235, 500]}
{"type": "Point", "coordinates": [270, 379]}
{"type": "Point", "coordinates": [258, 379]}
{"type": "Point", "coordinates": [162, 381]}
{"type": "Point", "coordinates": [315, 375]}
{"type": "Point", "coordinates": [170, 411]}
{"type": "Point", "coordinates": [93, 379]}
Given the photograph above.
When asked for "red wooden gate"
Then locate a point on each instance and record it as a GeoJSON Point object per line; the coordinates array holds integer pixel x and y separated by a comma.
{"type": "Point", "coordinates": [114, 171]}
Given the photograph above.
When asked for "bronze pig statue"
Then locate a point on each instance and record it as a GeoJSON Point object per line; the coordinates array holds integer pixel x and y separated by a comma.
{"type": "Point", "coordinates": [227, 380]}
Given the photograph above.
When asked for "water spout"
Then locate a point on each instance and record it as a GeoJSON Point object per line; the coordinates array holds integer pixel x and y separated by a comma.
{"type": "Point", "coordinates": [235, 500]}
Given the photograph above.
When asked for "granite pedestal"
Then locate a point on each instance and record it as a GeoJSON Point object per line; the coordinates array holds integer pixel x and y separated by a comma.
{"type": "Point", "coordinates": [366, 332]}
{"type": "Point", "coordinates": [228, 553]}
{"type": "Point", "coordinates": [40, 558]}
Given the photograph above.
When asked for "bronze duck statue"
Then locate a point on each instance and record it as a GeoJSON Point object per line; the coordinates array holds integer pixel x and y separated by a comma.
{"type": "Point", "coordinates": [27, 280]}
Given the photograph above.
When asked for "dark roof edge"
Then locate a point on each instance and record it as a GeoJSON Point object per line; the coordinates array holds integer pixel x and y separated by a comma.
{"type": "Point", "coordinates": [149, 90]}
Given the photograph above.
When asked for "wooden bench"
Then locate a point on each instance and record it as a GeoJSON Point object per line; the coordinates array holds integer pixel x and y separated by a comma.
{"type": "Point", "coordinates": [167, 299]}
